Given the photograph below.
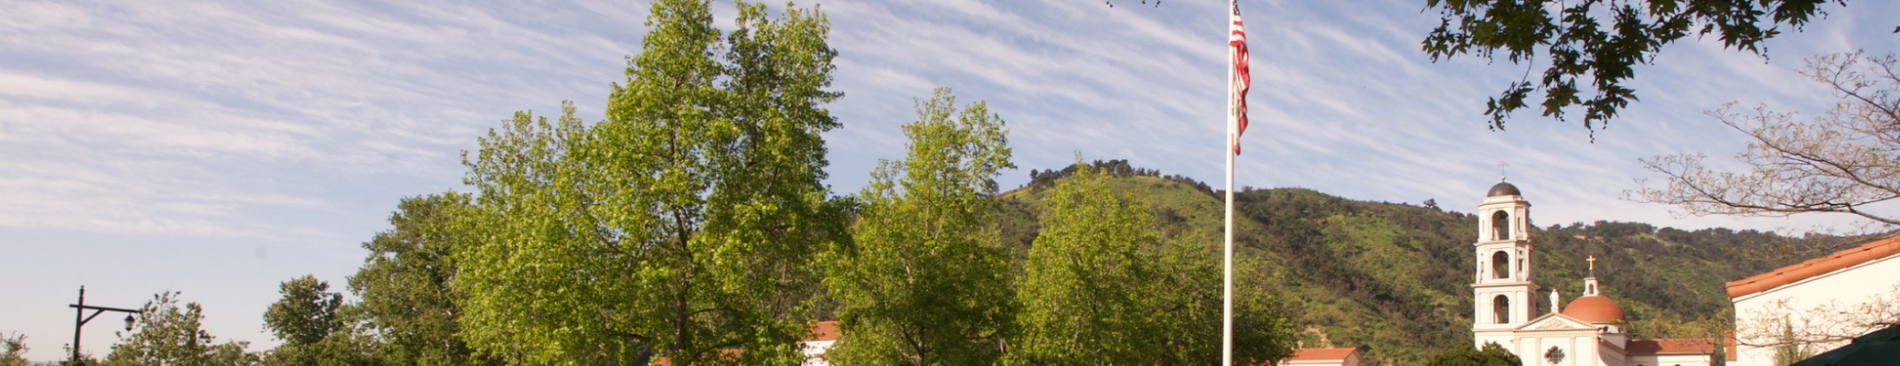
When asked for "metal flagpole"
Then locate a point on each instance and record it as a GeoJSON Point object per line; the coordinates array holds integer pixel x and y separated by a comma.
{"type": "Point", "coordinates": [1227, 271]}
{"type": "Point", "coordinates": [1227, 252]}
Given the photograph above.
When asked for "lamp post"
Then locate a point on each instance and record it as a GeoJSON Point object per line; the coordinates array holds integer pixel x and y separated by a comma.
{"type": "Point", "coordinates": [80, 319]}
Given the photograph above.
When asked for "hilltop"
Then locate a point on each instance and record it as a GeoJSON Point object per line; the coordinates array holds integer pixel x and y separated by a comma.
{"type": "Point", "coordinates": [1394, 279]}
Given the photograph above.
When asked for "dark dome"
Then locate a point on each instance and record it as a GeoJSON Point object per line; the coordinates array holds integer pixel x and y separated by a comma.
{"type": "Point", "coordinates": [1503, 189]}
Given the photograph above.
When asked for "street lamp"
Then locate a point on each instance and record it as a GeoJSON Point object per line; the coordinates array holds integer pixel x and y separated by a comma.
{"type": "Point", "coordinates": [81, 318]}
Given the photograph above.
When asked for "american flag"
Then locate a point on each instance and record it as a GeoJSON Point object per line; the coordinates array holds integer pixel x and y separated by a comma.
{"type": "Point", "coordinates": [1237, 81]}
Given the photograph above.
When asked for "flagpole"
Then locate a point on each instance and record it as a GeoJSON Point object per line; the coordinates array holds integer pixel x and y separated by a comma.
{"type": "Point", "coordinates": [1227, 264]}
{"type": "Point", "coordinates": [1237, 84]}
{"type": "Point", "coordinates": [1227, 251]}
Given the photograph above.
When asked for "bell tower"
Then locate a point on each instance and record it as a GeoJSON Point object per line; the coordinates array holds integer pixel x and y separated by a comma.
{"type": "Point", "coordinates": [1502, 288]}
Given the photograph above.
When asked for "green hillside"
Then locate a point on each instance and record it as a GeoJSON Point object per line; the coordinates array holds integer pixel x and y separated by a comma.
{"type": "Point", "coordinates": [1395, 279]}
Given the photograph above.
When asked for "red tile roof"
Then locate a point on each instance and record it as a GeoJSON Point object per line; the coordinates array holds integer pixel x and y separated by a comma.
{"type": "Point", "coordinates": [1320, 354]}
{"type": "Point", "coordinates": [823, 331]}
{"type": "Point", "coordinates": [1679, 346]}
{"type": "Point", "coordinates": [1815, 267]}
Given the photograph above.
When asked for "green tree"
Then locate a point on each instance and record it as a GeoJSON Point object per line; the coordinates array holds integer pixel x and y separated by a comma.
{"type": "Point", "coordinates": [925, 280]}
{"type": "Point", "coordinates": [1081, 287]}
{"type": "Point", "coordinates": [1101, 287]}
{"type": "Point", "coordinates": [13, 350]}
{"type": "Point", "coordinates": [1465, 355]}
{"type": "Point", "coordinates": [170, 334]}
{"type": "Point", "coordinates": [307, 312]}
{"type": "Point", "coordinates": [405, 284]}
{"type": "Point", "coordinates": [684, 225]}
{"type": "Point", "coordinates": [1598, 43]}
{"type": "Point", "coordinates": [315, 326]}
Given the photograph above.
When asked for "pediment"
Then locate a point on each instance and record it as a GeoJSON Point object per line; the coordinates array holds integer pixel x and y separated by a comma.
{"type": "Point", "coordinates": [1556, 321]}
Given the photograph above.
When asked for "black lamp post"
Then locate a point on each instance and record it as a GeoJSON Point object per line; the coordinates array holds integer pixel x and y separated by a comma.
{"type": "Point", "coordinates": [81, 318]}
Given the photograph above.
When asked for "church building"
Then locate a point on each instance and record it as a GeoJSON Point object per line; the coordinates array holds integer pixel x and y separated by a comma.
{"type": "Point", "coordinates": [1590, 331]}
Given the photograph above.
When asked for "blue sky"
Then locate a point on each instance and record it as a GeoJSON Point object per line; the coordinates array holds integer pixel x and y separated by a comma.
{"type": "Point", "coordinates": [220, 147]}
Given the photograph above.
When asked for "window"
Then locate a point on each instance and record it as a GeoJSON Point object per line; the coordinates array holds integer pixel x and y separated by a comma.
{"type": "Point", "coordinates": [1500, 226]}
{"type": "Point", "coordinates": [1500, 265]}
{"type": "Point", "coordinates": [1501, 306]}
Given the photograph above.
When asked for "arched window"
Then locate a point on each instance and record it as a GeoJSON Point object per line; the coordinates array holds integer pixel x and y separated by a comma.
{"type": "Point", "coordinates": [1500, 226]}
{"type": "Point", "coordinates": [1500, 265]}
{"type": "Point", "coordinates": [1592, 290]}
{"type": "Point", "coordinates": [1501, 306]}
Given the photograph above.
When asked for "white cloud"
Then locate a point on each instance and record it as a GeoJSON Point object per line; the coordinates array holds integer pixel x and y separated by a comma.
{"type": "Point", "coordinates": [297, 124]}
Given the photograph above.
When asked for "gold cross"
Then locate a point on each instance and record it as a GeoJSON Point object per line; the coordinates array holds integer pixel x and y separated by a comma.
{"type": "Point", "coordinates": [1593, 264]}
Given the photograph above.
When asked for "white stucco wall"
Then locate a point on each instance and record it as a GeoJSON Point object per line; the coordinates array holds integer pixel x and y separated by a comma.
{"type": "Point", "coordinates": [1848, 286]}
{"type": "Point", "coordinates": [1670, 360]}
{"type": "Point", "coordinates": [814, 348]}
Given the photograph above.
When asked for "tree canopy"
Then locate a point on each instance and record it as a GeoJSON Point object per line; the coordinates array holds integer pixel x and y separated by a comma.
{"type": "Point", "coordinates": [1593, 45]}
{"type": "Point", "coordinates": [925, 280]}
{"type": "Point", "coordinates": [405, 284]}
{"type": "Point", "coordinates": [169, 333]}
{"type": "Point", "coordinates": [684, 225]}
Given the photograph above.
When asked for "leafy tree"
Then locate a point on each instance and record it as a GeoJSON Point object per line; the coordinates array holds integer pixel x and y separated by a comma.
{"type": "Point", "coordinates": [406, 282]}
{"type": "Point", "coordinates": [1842, 162]}
{"type": "Point", "coordinates": [1101, 287]}
{"type": "Point", "coordinates": [1466, 355]}
{"type": "Point", "coordinates": [170, 334]}
{"type": "Point", "coordinates": [314, 326]}
{"type": "Point", "coordinates": [683, 226]}
{"type": "Point", "coordinates": [1080, 290]}
{"type": "Point", "coordinates": [13, 350]}
{"type": "Point", "coordinates": [926, 279]}
{"type": "Point", "coordinates": [1598, 42]}
{"type": "Point", "coordinates": [306, 314]}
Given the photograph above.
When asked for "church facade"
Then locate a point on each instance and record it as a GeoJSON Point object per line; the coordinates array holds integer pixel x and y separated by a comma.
{"type": "Point", "coordinates": [1590, 331]}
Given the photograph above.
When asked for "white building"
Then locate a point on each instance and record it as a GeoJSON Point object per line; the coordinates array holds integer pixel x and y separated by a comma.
{"type": "Point", "coordinates": [1589, 332]}
{"type": "Point", "coordinates": [1840, 282]}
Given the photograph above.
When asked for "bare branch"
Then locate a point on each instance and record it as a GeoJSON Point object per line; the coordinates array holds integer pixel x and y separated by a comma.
{"type": "Point", "coordinates": [1841, 162]}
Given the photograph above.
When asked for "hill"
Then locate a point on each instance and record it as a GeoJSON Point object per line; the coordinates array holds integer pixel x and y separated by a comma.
{"type": "Point", "coordinates": [1394, 279]}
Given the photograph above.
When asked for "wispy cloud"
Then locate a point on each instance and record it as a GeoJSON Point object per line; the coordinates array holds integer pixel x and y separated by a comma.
{"type": "Point", "coordinates": [299, 123]}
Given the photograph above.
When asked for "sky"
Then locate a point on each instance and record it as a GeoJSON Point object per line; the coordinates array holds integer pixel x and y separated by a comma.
{"type": "Point", "coordinates": [218, 148]}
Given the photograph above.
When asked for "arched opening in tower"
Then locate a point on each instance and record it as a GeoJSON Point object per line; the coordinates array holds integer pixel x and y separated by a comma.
{"type": "Point", "coordinates": [1501, 307]}
{"type": "Point", "coordinates": [1500, 265]}
{"type": "Point", "coordinates": [1500, 226]}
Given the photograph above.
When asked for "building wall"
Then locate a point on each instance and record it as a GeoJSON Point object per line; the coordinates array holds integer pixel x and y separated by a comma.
{"type": "Point", "coordinates": [1669, 360]}
{"type": "Point", "coordinates": [1849, 285]}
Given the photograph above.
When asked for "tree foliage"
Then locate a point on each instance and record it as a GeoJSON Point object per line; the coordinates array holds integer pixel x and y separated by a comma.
{"type": "Point", "coordinates": [1101, 286]}
{"type": "Point", "coordinates": [170, 334]}
{"type": "Point", "coordinates": [1594, 45]}
{"type": "Point", "coordinates": [682, 226]}
{"type": "Point", "coordinates": [1466, 355]}
{"type": "Point", "coordinates": [306, 314]}
{"type": "Point", "coordinates": [314, 326]}
{"type": "Point", "coordinates": [1844, 161]}
{"type": "Point", "coordinates": [13, 350]}
{"type": "Point", "coordinates": [405, 284]}
{"type": "Point", "coordinates": [925, 280]}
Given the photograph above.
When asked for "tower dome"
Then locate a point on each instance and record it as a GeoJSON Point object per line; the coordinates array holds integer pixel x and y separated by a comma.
{"type": "Point", "coordinates": [1503, 189]}
{"type": "Point", "coordinates": [1594, 309]}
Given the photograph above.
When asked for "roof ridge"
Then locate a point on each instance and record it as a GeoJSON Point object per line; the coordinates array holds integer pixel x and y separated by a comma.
{"type": "Point", "coordinates": [1864, 253]}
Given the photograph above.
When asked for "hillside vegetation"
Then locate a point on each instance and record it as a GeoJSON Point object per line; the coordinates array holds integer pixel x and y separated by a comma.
{"type": "Point", "coordinates": [1394, 279]}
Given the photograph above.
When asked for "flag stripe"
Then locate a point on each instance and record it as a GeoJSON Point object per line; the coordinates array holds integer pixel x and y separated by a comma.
{"type": "Point", "coordinates": [1239, 80]}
